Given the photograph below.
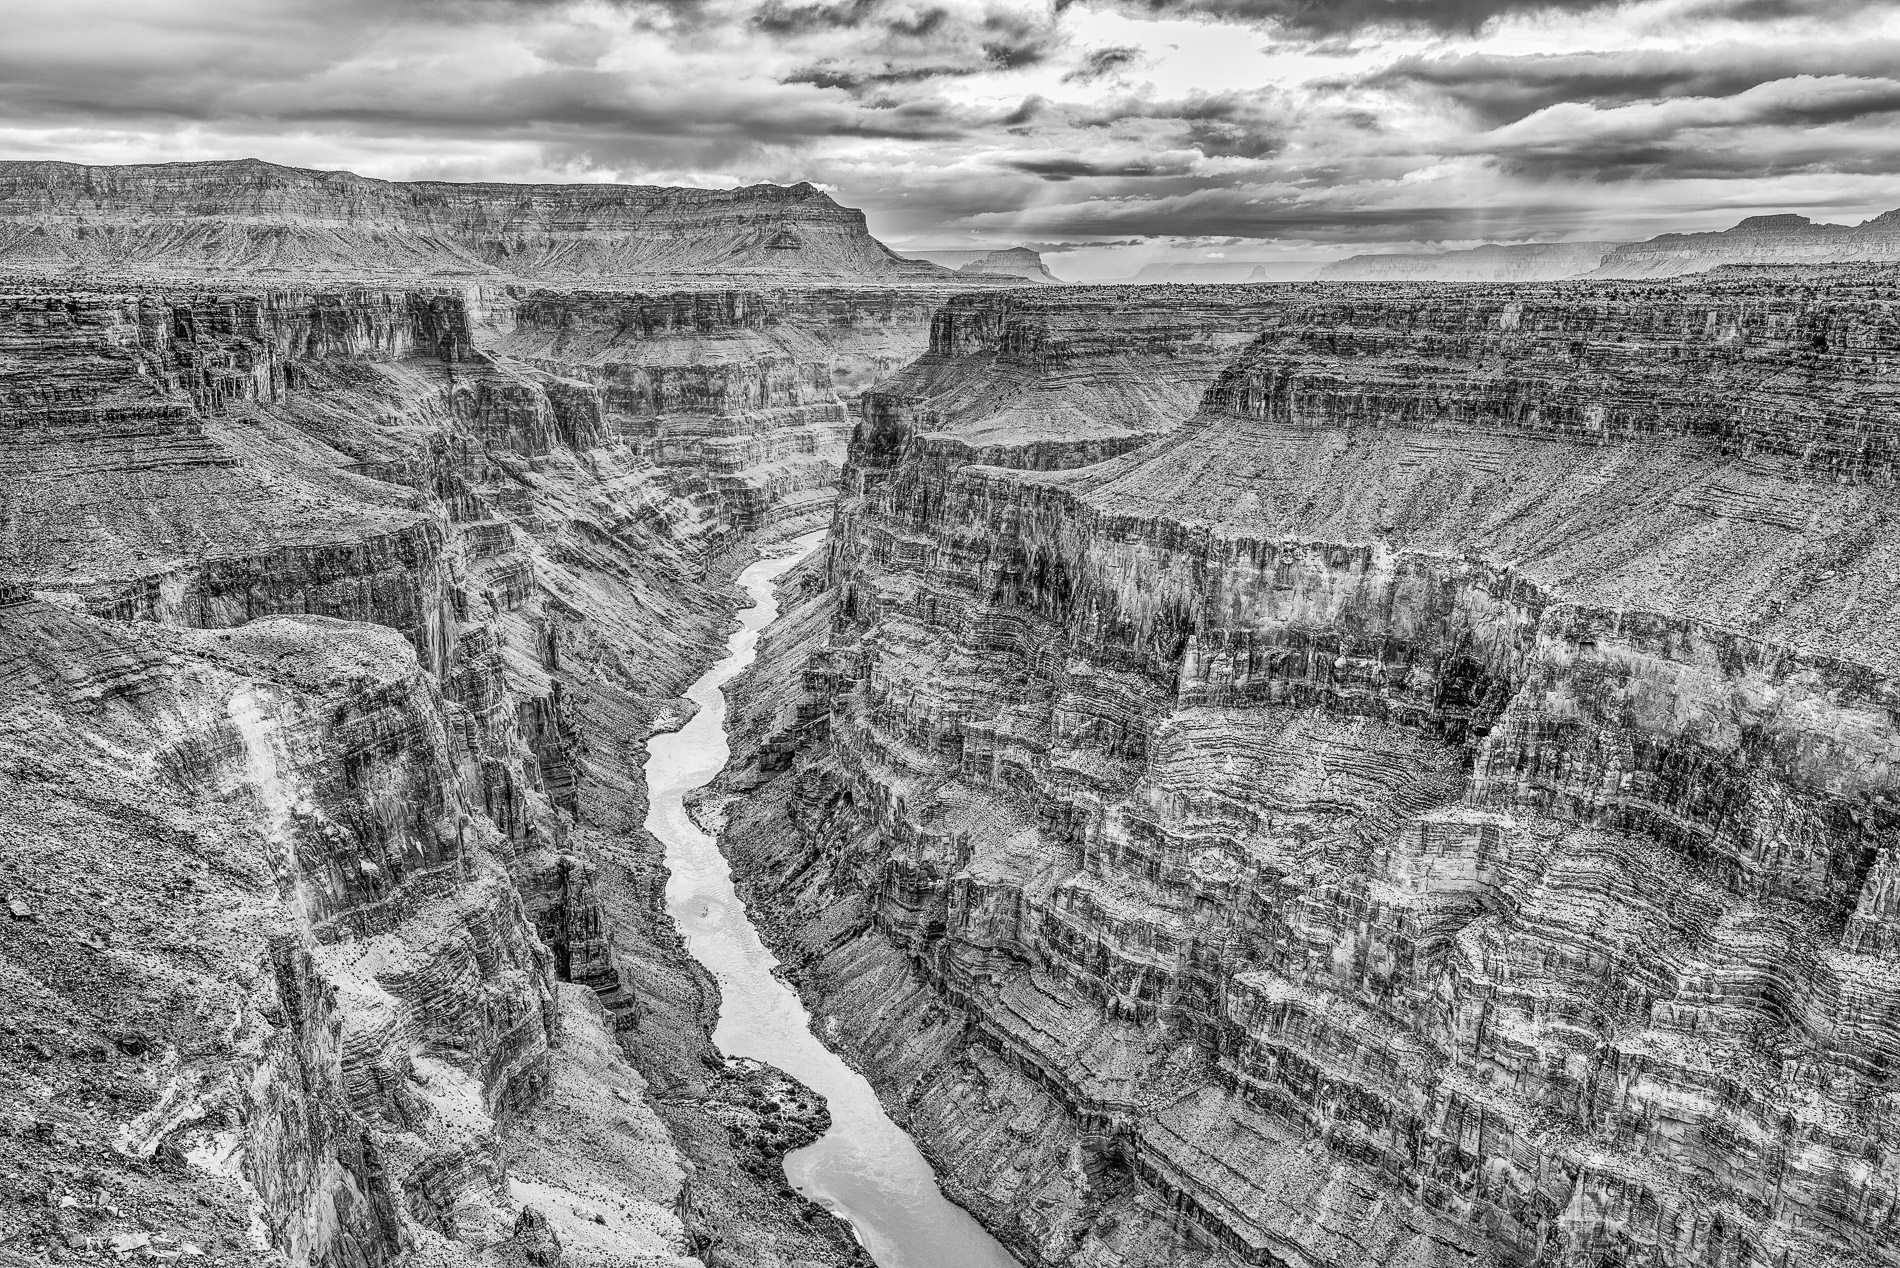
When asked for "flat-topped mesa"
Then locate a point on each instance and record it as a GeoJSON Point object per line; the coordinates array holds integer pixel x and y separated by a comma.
{"type": "Point", "coordinates": [258, 218]}
{"type": "Point", "coordinates": [1435, 803]}
{"type": "Point", "coordinates": [1781, 239]}
{"type": "Point", "coordinates": [1019, 262]}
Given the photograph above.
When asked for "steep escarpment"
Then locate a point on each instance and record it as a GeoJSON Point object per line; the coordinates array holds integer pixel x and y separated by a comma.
{"type": "Point", "coordinates": [1433, 805]}
{"type": "Point", "coordinates": [1758, 240]}
{"type": "Point", "coordinates": [258, 218]}
{"type": "Point", "coordinates": [339, 629]}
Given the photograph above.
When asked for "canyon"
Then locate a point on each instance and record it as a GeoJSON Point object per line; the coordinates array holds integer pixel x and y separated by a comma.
{"type": "Point", "coordinates": [337, 615]}
{"type": "Point", "coordinates": [1419, 792]}
{"type": "Point", "coordinates": [1303, 774]}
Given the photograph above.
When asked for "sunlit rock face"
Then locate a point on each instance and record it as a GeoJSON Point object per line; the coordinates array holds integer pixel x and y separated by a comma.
{"type": "Point", "coordinates": [1431, 803]}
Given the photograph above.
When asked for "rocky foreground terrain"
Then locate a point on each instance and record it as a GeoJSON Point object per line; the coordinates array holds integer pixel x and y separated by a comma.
{"type": "Point", "coordinates": [1413, 786]}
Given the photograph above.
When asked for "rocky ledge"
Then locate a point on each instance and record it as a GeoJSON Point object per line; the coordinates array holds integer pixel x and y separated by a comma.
{"type": "Point", "coordinates": [1433, 803]}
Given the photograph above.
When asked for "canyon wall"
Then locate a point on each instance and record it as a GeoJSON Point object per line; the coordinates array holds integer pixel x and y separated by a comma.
{"type": "Point", "coordinates": [1429, 801]}
{"type": "Point", "coordinates": [337, 619]}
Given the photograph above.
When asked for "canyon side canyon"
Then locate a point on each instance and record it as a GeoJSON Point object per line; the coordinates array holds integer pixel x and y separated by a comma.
{"type": "Point", "coordinates": [1322, 775]}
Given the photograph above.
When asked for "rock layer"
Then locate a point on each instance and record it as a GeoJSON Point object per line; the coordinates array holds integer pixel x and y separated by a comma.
{"type": "Point", "coordinates": [259, 219]}
{"type": "Point", "coordinates": [1433, 805]}
{"type": "Point", "coordinates": [1758, 240]}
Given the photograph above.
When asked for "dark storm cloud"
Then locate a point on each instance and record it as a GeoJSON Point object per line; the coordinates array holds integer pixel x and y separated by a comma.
{"type": "Point", "coordinates": [1065, 168]}
{"type": "Point", "coordinates": [776, 18]}
{"type": "Point", "coordinates": [1803, 124]}
{"type": "Point", "coordinates": [1502, 89]}
{"type": "Point", "coordinates": [1238, 214]}
{"type": "Point", "coordinates": [1103, 62]}
{"type": "Point", "coordinates": [875, 44]}
{"type": "Point", "coordinates": [289, 66]}
{"type": "Point", "coordinates": [1321, 19]}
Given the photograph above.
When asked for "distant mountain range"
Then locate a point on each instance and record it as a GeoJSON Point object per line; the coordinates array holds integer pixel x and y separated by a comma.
{"type": "Point", "coordinates": [1786, 239]}
{"type": "Point", "coordinates": [262, 219]}
{"type": "Point", "coordinates": [1758, 240]}
{"type": "Point", "coordinates": [1008, 262]}
{"type": "Point", "coordinates": [1531, 262]}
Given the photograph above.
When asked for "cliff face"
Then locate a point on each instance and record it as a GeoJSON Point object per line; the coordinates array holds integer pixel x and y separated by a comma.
{"type": "Point", "coordinates": [1064, 377]}
{"type": "Point", "coordinates": [1434, 805]}
{"type": "Point", "coordinates": [1783, 239]}
{"type": "Point", "coordinates": [259, 219]}
{"type": "Point", "coordinates": [338, 619]}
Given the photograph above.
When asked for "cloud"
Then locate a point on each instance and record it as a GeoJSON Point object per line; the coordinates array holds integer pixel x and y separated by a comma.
{"type": "Point", "coordinates": [1100, 63]}
{"type": "Point", "coordinates": [1068, 168]}
{"type": "Point", "coordinates": [1320, 19]}
{"type": "Point", "coordinates": [1801, 124]}
{"type": "Point", "coordinates": [1499, 89]}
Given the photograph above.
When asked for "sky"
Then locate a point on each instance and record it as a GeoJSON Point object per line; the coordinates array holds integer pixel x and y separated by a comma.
{"type": "Point", "coordinates": [1107, 133]}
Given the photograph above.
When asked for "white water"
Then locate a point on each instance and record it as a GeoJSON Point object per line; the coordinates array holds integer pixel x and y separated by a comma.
{"type": "Point", "coordinates": [865, 1168]}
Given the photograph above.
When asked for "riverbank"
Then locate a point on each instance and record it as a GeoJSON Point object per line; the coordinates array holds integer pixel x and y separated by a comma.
{"type": "Point", "coordinates": [864, 1168]}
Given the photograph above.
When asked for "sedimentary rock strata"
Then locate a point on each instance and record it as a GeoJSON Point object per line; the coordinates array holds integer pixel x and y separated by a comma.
{"type": "Point", "coordinates": [260, 219]}
{"type": "Point", "coordinates": [1782, 239]}
{"type": "Point", "coordinates": [1431, 803]}
{"type": "Point", "coordinates": [337, 619]}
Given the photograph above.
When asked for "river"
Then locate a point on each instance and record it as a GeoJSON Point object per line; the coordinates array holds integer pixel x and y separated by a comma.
{"type": "Point", "coordinates": [865, 1168]}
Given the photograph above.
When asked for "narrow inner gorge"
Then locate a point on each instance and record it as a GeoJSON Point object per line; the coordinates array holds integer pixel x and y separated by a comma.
{"type": "Point", "coordinates": [864, 1168]}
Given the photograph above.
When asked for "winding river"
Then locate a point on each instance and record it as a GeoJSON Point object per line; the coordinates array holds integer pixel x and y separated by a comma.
{"type": "Point", "coordinates": [865, 1169]}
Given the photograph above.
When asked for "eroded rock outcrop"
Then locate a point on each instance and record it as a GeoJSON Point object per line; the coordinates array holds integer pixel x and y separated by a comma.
{"type": "Point", "coordinates": [1432, 805]}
